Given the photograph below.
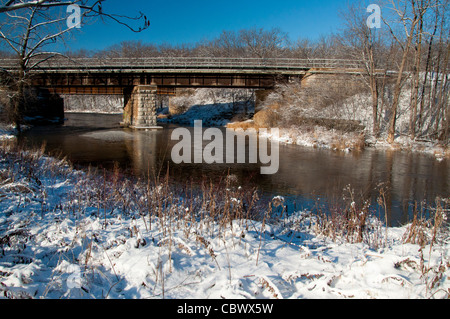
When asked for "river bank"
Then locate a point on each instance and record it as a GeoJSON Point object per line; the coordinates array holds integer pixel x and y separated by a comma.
{"type": "Point", "coordinates": [344, 128]}
{"type": "Point", "coordinates": [319, 137]}
{"type": "Point", "coordinates": [68, 233]}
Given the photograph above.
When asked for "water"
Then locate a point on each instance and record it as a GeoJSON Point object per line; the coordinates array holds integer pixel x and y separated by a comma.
{"type": "Point", "coordinates": [305, 174]}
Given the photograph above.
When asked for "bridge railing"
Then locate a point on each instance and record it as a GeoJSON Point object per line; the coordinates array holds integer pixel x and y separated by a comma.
{"type": "Point", "coordinates": [61, 63]}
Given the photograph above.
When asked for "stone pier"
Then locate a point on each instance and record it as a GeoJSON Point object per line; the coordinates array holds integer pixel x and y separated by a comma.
{"type": "Point", "coordinates": [140, 107]}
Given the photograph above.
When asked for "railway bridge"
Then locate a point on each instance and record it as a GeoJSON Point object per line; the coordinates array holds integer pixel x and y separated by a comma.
{"type": "Point", "coordinates": [140, 80]}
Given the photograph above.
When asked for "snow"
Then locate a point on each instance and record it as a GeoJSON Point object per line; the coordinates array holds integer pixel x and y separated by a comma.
{"type": "Point", "coordinates": [320, 137]}
{"type": "Point", "coordinates": [356, 108]}
{"type": "Point", "coordinates": [56, 242]}
{"type": "Point", "coordinates": [323, 138]}
{"type": "Point", "coordinates": [213, 106]}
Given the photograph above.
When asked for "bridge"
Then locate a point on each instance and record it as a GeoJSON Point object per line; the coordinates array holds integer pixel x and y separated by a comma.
{"type": "Point", "coordinates": [139, 80]}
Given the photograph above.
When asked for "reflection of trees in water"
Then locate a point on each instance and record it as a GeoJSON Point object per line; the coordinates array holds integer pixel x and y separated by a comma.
{"type": "Point", "coordinates": [406, 178]}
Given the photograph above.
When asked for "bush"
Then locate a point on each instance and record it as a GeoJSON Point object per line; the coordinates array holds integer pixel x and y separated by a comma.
{"type": "Point", "coordinates": [299, 105]}
{"type": "Point", "coordinates": [266, 118]}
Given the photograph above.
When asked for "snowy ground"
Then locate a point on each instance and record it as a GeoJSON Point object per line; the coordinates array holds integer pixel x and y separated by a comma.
{"type": "Point", "coordinates": [64, 235]}
{"type": "Point", "coordinates": [215, 107]}
{"type": "Point", "coordinates": [355, 108]}
{"type": "Point", "coordinates": [320, 137]}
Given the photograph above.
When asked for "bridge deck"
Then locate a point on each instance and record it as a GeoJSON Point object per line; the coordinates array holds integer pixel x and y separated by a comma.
{"type": "Point", "coordinates": [112, 75]}
{"type": "Point", "coordinates": [185, 65]}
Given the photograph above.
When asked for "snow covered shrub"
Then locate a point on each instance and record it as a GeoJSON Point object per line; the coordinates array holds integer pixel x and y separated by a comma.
{"type": "Point", "coordinates": [429, 224]}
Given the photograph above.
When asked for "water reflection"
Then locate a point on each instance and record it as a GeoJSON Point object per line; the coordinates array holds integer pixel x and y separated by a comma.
{"type": "Point", "coordinates": [305, 174]}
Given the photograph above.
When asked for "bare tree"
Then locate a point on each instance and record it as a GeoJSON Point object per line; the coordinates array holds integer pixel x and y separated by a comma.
{"type": "Point", "coordinates": [264, 43]}
{"type": "Point", "coordinates": [417, 23]}
{"type": "Point", "coordinates": [435, 110]}
{"type": "Point", "coordinates": [408, 16]}
{"type": "Point", "coordinates": [28, 28]}
{"type": "Point", "coordinates": [13, 5]}
{"type": "Point", "coordinates": [227, 44]}
{"type": "Point", "coordinates": [302, 49]}
{"type": "Point", "coordinates": [365, 44]}
{"type": "Point", "coordinates": [255, 42]}
{"type": "Point", "coordinates": [422, 7]}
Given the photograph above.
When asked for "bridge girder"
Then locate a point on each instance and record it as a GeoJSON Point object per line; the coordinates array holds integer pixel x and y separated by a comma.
{"type": "Point", "coordinates": [115, 83]}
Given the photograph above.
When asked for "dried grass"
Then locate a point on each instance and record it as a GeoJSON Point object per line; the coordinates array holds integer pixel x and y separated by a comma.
{"type": "Point", "coordinates": [266, 118]}
{"type": "Point", "coordinates": [242, 125]}
{"type": "Point", "coordinates": [351, 223]}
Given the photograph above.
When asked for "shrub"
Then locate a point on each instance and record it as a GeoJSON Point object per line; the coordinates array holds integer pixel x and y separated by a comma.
{"type": "Point", "coordinates": [266, 118]}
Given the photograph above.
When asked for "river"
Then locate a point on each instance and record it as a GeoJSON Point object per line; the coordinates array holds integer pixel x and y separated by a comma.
{"type": "Point", "coordinates": [306, 176]}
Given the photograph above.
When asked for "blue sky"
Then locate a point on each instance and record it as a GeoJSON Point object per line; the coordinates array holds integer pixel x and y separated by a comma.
{"type": "Point", "coordinates": [177, 22]}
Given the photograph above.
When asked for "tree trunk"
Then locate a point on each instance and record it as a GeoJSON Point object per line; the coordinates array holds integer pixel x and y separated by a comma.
{"type": "Point", "coordinates": [416, 78]}
{"type": "Point", "coordinates": [427, 68]}
{"type": "Point", "coordinates": [446, 133]}
{"type": "Point", "coordinates": [398, 85]}
{"type": "Point", "coordinates": [414, 94]}
{"type": "Point", "coordinates": [19, 99]}
{"type": "Point", "coordinates": [376, 126]}
{"type": "Point", "coordinates": [374, 91]}
{"type": "Point", "coordinates": [396, 99]}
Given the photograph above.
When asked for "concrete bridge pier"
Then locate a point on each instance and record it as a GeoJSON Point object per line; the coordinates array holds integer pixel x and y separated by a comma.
{"type": "Point", "coordinates": [140, 107]}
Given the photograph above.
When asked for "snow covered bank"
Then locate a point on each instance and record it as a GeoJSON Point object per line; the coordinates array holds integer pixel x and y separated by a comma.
{"type": "Point", "coordinates": [66, 233]}
{"type": "Point", "coordinates": [300, 111]}
{"type": "Point", "coordinates": [404, 143]}
{"type": "Point", "coordinates": [215, 107]}
{"type": "Point", "coordinates": [320, 137]}
{"type": "Point", "coordinates": [102, 104]}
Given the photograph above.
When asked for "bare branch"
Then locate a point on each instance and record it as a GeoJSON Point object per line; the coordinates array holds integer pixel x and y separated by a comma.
{"type": "Point", "coordinates": [11, 6]}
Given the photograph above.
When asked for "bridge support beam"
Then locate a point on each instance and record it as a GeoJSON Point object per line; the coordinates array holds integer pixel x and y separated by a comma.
{"type": "Point", "coordinates": [140, 107]}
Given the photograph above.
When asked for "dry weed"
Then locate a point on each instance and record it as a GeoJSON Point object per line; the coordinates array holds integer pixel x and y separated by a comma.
{"type": "Point", "coordinates": [267, 284]}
